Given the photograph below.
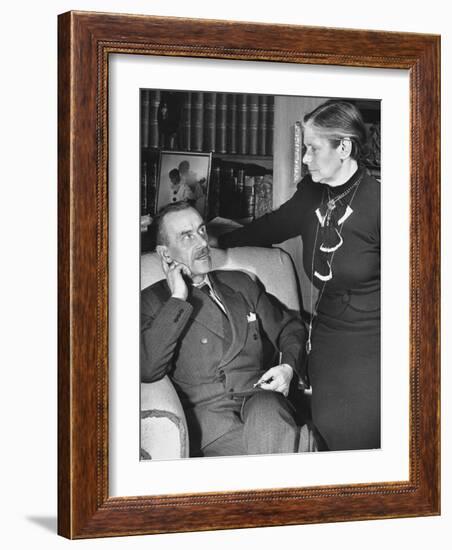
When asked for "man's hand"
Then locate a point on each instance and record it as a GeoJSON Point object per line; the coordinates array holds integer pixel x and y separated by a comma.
{"type": "Point", "coordinates": [174, 275]}
{"type": "Point", "coordinates": [277, 379]}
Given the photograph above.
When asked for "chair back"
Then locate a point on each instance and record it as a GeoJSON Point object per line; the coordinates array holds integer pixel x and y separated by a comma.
{"type": "Point", "coordinates": [272, 266]}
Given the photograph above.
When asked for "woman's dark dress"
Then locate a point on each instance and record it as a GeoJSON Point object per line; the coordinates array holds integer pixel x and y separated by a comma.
{"type": "Point", "coordinates": [344, 364]}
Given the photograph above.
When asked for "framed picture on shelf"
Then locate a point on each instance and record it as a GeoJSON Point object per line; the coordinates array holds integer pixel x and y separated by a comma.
{"type": "Point", "coordinates": [183, 176]}
{"type": "Point", "coordinates": [105, 487]}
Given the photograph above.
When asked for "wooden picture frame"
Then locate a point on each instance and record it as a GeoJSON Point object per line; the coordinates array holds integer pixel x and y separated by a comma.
{"type": "Point", "coordinates": [86, 40]}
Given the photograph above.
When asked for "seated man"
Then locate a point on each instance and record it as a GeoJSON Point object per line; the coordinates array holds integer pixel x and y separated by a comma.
{"type": "Point", "coordinates": [215, 334]}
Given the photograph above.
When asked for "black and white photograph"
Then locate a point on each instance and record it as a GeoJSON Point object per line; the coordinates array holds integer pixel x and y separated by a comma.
{"type": "Point", "coordinates": [260, 274]}
{"type": "Point", "coordinates": [183, 176]}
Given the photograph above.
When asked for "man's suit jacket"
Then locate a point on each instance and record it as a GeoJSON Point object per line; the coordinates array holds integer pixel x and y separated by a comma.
{"type": "Point", "coordinates": [213, 359]}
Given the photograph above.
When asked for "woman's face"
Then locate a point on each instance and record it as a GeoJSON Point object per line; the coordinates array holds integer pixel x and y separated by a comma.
{"type": "Point", "coordinates": [322, 159]}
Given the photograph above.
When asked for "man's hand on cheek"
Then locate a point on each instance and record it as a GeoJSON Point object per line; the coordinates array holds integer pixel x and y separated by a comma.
{"type": "Point", "coordinates": [174, 272]}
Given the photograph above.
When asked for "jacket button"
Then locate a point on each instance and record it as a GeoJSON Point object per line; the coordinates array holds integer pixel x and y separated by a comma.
{"type": "Point", "coordinates": [346, 298]}
{"type": "Point", "coordinates": [204, 340]}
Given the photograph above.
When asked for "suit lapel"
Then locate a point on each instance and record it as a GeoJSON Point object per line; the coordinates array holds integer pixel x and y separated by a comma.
{"type": "Point", "coordinates": [206, 312]}
{"type": "Point", "coordinates": [202, 312]}
{"type": "Point", "coordinates": [237, 310]}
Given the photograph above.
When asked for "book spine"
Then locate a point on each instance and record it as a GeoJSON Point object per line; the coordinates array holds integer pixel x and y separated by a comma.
{"type": "Point", "coordinates": [253, 116]}
{"type": "Point", "coordinates": [263, 191]}
{"type": "Point", "coordinates": [186, 122]}
{"type": "Point", "coordinates": [154, 103]}
{"type": "Point", "coordinates": [144, 188]}
{"type": "Point", "coordinates": [241, 193]}
{"type": "Point", "coordinates": [214, 193]}
{"type": "Point", "coordinates": [262, 125]}
{"type": "Point", "coordinates": [210, 117]}
{"type": "Point", "coordinates": [144, 118]}
{"type": "Point", "coordinates": [249, 197]}
{"type": "Point", "coordinates": [242, 124]}
{"type": "Point", "coordinates": [197, 121]}
{"type": "Point", "coordinates": [232, 124]}
{"type": "Point", "coordinates": [221, 123]}
{"type": "Point", "coordinates": [152, 188]}
{"type": "Point", "coordinates": [270, 125]}
{"type": "Point", "coordinates": [227, 192]}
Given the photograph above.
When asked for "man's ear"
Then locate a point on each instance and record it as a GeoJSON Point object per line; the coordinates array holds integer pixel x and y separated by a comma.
{"type": "Point", "coordinates": [163, 252]}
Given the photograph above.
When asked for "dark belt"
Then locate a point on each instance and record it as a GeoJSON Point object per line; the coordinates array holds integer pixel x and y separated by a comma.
{"type": "Point", "coordinates": [369, 301]}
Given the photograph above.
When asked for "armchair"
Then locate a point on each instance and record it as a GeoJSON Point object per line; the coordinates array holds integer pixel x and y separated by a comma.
{"type": "Point", "coordinates": [164, 431]}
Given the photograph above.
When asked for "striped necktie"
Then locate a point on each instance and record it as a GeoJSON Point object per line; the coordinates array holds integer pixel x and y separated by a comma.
{"type": "Point", "coordinates": [209, 292]}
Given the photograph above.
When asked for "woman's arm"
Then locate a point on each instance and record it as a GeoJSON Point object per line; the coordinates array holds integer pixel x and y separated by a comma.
{"type": "Point", "coordinates": [276, 227]}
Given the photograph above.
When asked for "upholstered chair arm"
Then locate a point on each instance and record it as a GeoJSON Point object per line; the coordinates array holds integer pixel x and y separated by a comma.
{"type": "Point", "coordinates": [164, 433]}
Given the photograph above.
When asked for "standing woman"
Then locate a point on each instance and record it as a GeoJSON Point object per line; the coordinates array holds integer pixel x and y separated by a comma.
{"type": "Point", "coordinates": [336, 211]}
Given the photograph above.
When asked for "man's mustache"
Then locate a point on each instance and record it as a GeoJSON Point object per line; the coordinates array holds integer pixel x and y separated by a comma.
{"type": "Point", "coordinates": [202, 252]}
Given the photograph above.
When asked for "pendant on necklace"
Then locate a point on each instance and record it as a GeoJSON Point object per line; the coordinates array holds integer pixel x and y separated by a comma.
{"type": "Point", "coordinates": [331, 205]}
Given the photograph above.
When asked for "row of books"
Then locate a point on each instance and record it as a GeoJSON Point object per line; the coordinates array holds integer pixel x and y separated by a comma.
{"type": "Point", "coordinates": [235, 191]}
{"type": "Point", "coordinates": [148, 187]}
{"type": "Point", "coordinates": [227, 123]}
{"type": "Point", "coordinates": [236, 195]}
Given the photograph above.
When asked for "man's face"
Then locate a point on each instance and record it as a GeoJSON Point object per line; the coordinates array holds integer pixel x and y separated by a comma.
{"type": "Point", "coordinates": [186, 240]}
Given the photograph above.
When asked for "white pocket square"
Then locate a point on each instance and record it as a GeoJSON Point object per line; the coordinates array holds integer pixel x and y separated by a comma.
{"type": "Point", "coordinates": [251, 317]}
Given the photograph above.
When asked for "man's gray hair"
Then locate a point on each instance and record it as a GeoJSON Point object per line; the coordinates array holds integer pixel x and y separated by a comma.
{"type": "Point", "coordinates": [158, 222]}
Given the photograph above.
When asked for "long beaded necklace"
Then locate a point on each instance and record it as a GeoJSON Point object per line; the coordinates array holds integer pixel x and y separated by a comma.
{"type": "Point", "coordinates": [331, 205]}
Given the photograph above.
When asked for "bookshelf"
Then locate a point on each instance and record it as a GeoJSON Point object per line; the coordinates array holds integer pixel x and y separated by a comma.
{"type": "Point", "coordinates": [236, 128]}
